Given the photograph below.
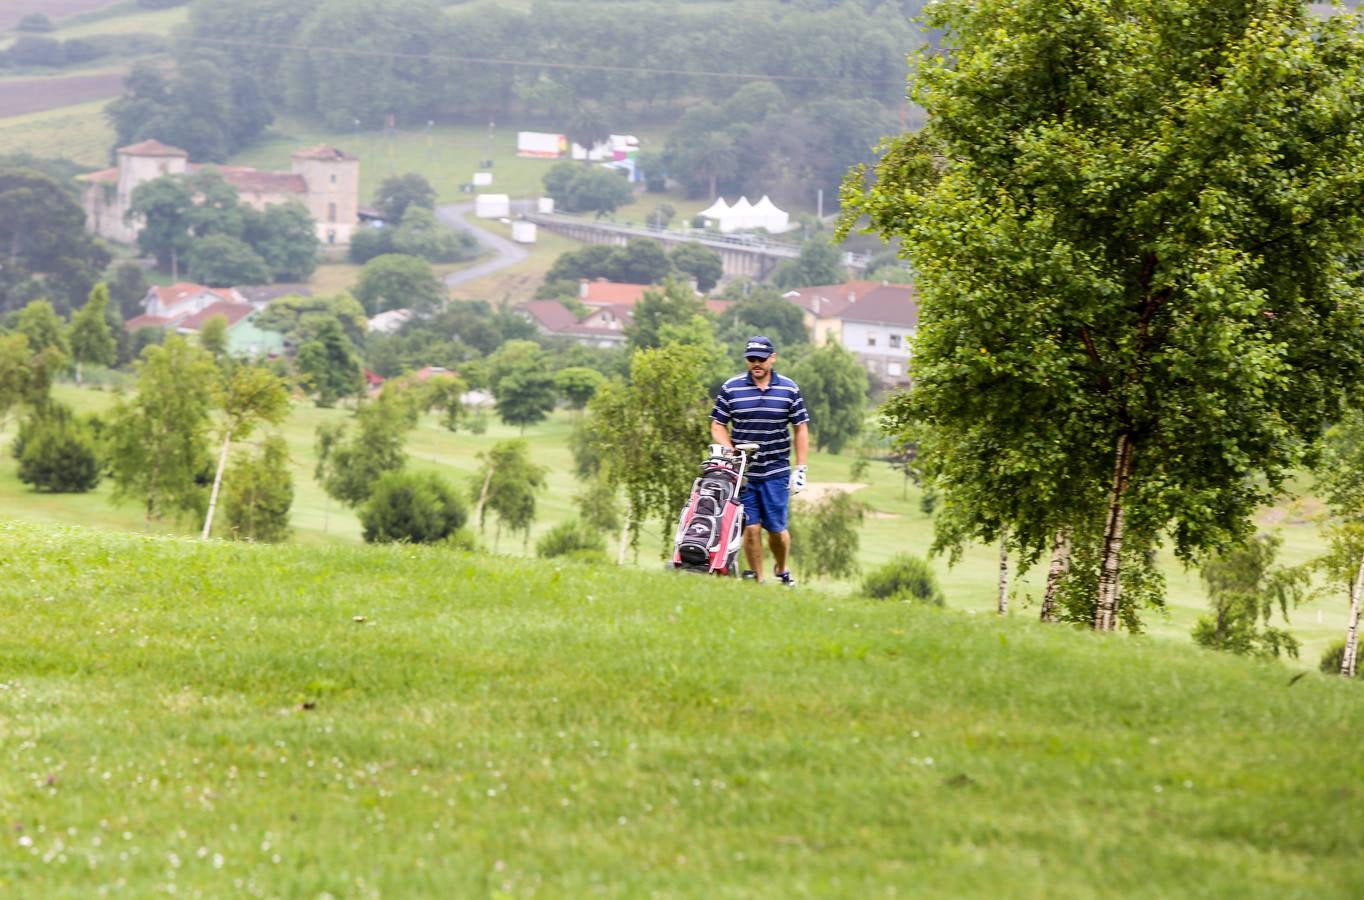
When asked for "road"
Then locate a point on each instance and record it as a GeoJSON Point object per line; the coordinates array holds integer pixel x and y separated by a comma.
{"type": "Point", "coordinates": [506, 253]}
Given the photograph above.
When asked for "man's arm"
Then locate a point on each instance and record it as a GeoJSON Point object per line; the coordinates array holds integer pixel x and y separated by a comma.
{"type": "Point", "coordinates": [802, 442]}
{"type": "Point", "coordinates": [719, 434]}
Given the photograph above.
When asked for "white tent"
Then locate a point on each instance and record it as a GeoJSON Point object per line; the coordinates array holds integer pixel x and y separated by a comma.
{"type": "Point", "coordinates": [745, 215]}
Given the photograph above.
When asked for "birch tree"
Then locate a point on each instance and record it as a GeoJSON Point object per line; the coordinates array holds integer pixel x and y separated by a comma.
{"type": "Point", "coordinates": [1133, 225]}
{"type": "Point", "coordinates": [251, 395]}
{"type": "Point", "coordinates": [1340, 481]}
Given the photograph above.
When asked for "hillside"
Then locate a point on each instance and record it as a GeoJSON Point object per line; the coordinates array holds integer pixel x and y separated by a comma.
{"type": "Point", "coordinates": [213, 718]}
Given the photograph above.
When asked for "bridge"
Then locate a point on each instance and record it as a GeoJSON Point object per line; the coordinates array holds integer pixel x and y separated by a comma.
{"type": "Point", "coordinates": [741, 255]}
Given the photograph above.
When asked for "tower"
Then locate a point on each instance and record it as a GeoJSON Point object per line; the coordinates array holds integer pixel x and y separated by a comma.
{"type": "Point", "coordinates": [333, 197]}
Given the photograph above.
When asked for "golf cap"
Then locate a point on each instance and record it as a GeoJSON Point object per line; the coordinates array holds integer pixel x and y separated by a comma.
{"type": "Point", "coordinates": [760, 347]}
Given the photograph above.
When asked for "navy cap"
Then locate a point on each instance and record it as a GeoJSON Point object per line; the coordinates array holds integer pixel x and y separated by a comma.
{"type": "Point", "coordinates": [760, 347]}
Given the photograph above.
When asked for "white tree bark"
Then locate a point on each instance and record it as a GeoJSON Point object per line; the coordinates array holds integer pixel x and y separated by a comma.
{"type": "Point", "coordinates": [1003, 574]}
{"type": "Point", "coordinates": [217, 483]}
{"type": "Point", "coordinates": [624, 534]}
{"type": "Point", "coordinates": [1106, 609]}
{"type": "Point", "coordinates": [483, 497]}
{"type": "Point", "coordinates": [1349, 661]}
{"type": "Point", "coordinates": [1060, 565]}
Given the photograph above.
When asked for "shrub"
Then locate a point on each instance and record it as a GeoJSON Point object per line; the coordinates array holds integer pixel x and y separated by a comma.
{"type": "Point", "coordinates": [570, 538]}
{"type": "Point", "coordinates": [58, 453]}
{"type": "Point", "coordinates": [905, 577]}
{"type": "Point", "coordinates": [1331, 657]}
{"type": "Point", "coordinates": [413, 507]}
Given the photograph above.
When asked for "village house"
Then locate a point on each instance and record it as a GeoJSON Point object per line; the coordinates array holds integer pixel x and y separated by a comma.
{"type": "Point", "coordinates": [609, 305]}
{"type": "Point", "coordinates": [874, 320]}
{"type": "Point", "coordinates": [183, 308]}
{"type": "Point", "coordinates": [325, 180]}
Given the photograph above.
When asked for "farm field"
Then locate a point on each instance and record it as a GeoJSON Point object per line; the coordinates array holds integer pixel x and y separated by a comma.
{"type": "Point", "coordinates": [12, 11]}
{"type": "Point", "coordinates": [212, 719]}
{"type": "Point", "coordinates": [79, 133]}
{"type": "Point", "coordinates": [894, 523]}
{"type": "Point", "coordinates": [23, 96]}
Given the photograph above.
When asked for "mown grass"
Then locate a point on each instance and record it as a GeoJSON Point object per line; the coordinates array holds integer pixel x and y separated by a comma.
{"type": "Point", "coordinates": [213, 718]}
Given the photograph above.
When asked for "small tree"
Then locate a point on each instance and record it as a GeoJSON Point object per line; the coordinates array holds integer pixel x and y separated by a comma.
{"type": "Point", "coordinates": [57, 452]}
{"type": "Point", "coordinates": [1340, 480]}
{"type": "Point", "coordinates": [506, 483]}
{"type": "Point", "coordinates": [92, 340]}
{"type": "Point", "coordinates": [570, 538]}
{"type": "Point", "coordinates": [259, 493]}
{"type": "Point", "coordinates": [398, 193]}
{"type": "Point", "coordinates": [578, 384]}
{"type": "Point", "coordinates": [824, 535]}
{"type": "Point", "coordinates": [356, 464]}
{"type": "Point", "coordinates": [251, 395]}
{"type": "Point", "coordinates": [213, 337]}
{"type": "Point", "coordinates": [834, 386]}
{"type": "Point", "coordinates": [699, 262]}
{"type": "Point", "coordinates": [1244, 587]}
{"type": "Point", "coordinates": [44, 329]}
{"type": "Point", "coordinates": [446, 393]}
{"type": "Point", "coordinates": [904, 577]}
{"type": "Point", "coordinates": [158, 447]}
{"type": "Point", "coordinates": [412, 507]}
{"type": "Point", "coordinates": [398, 281]}
{"type": "Point", "coordinates": [330, 364]}
{"type": "Point", "coordinates": [221, 260]}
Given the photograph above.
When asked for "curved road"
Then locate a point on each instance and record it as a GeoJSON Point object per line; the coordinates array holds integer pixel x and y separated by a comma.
{"type": "Point", "coordinates": [505, 253]}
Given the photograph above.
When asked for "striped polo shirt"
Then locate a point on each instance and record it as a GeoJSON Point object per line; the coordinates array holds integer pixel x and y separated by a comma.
{"type": "Point", "coordinates": [763, 418]}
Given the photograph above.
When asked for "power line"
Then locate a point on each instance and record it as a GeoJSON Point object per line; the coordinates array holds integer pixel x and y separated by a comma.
{"type": "Point", "coordinates": [534, 64]}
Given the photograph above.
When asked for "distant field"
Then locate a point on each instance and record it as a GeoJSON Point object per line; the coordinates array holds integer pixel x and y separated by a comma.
{"type": "Point", "coordinates": [13, 11]}
{"type": "Point", "coordinates": [79, 133]}
{"type": "Point", "coordinates": [21, 96]}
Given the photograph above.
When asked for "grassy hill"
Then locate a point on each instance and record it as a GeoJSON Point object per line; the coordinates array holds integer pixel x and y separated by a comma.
{"type": "Point", "coordinates": [216, 718]}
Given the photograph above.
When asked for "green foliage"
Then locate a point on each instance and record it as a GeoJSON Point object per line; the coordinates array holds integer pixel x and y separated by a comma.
{"type": "Point", "coordinates": [356, 463]}
{"type": "Point", "coordinates": [91, 338]}
{"type": "Point", "coordinates": [904, 577]}
{"type": "Point", "coordinates": [507, 483]}
{"type": "Point", "coordinates": [824, 535]}
{"type": "Point", "coordinates": [397, 193]}
{"type": "Point", "coordinates": [524, 388]}
{"type": "Point", "coordinates": [213, 337]}
{"type": "Point", "coordinates": [300, 318]}
{"type": "Point", "coordinates": [128, 287]}
{"type": "Point", "coordinates": [45, 330]}
{"type": "Point", "coordinates": [640, 261]}
{"type": "Point", "coordinates": [819, 263]}
{"type": "Point", "coordinates": [258, 493]}
{"type": "Point", "coordinates": [207, 108]}
{"type": "Point", "coordinates": [1131, 227]}
{"type": "Point", "coordinates": [419, 234]}
{"type": "Point", "coordinates": [445, 392]}
{"type": "Point", "coordinates": [675, 303]}
{"type": "Point", "coordinates": [834, 386]}
{"type": "Point", "coordinates": [764, 311]}
{"type": "Point", "coordinates": [1244, 587]}
{"type": "Point", "coordinates": [58, 452]}
{"type": "Point", "coordinates": [158, 448]}
{"type": "Point", "coordinates": [163, 206]}
{"type": "Point", "coordinates": [578, 189]}
{"type": "Point", "coordinates": [329, 363]}
{"type": "Point", "coordinates": [285, 237]}
{"type": "Point", "coordinates": [396, 281]}
{"type": "Point", "coordinates": [412, 507]}
{"type": "Point", "coordinates": [570, 538]}
{"type": "Point", "coordinates": [699, 262]}
{"type": "Point", "coordinates": [598, 507]}
{"type": "Point", "coordinates": [47, 252]}
{"type": "Point", "coordinates": [1331, 658]}
{"type": "Point", "coordinates": [221, 260]}
{"type": "Point", "coordinates": [578, 385]}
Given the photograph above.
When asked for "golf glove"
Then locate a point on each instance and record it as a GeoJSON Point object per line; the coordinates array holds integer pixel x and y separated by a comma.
{"type": "Point", "coordinates": [797, 479]}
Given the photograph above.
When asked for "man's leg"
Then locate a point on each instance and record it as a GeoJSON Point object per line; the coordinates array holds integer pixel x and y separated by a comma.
{"type": "Point", "coordinates": [753, 549]}
{"type": "Point", "coordinates": [780, 542]}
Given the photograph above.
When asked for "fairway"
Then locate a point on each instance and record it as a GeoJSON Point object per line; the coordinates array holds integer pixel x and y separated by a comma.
{"type": "Point", "coordinates": [214, 718]}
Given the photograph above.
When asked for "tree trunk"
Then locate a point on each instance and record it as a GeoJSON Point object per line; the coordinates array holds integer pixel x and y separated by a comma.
{"type": "Point", "coordinates": [1004, 574]}
{"type": "Point", "coordinates": [1106, 610]}
{"type": "Point", "coordinates": [624, 534]}
{"type": "Point", "coordinates": [483, 497]}
{"type": "Point", "coordinates": [79, 379]}
{"type": "Point", "coordinates": [217, 483]}
{"type": "Point", "coordinates": [175, 265]}
{"type": "Point", "coordinates": [1060, 565]}
{"type": "Point", "coordinates": [1349, 660]}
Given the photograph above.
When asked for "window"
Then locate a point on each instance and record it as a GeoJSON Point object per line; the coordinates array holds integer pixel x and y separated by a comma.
{"type": "Point", "coordinates": [871, 340]}
{"type": "Point", "coordinates": [333, 178]}
{"type": "Point", "coordinates": [331, 212]}
{"type": "Point", "coordinates": [894, 340]}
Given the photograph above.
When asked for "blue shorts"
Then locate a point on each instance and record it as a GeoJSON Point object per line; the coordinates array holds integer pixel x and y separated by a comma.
{"type": "Point", "coordinates": [765, 503]}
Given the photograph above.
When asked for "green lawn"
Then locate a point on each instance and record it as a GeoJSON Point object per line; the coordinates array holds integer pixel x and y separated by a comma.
{"type": "Point", "coordinates": [215, 719]}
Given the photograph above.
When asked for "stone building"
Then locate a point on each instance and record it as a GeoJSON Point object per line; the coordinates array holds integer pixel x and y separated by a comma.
{"type": "Point", "coordinates": [323, 179]}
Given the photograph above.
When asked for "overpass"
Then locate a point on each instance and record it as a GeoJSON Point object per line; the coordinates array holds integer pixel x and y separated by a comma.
{"type": "Point", "coordinates": [741, 255]}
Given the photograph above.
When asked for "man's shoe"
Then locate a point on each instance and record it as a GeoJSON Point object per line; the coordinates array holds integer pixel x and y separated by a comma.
{"type": "Point", "coordinates": [748, 575]}
{"type": "Point", "coordinates": [787, 579]}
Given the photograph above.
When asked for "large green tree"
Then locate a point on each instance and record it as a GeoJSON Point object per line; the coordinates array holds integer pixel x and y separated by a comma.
{"type": "Point", "coordinates": [398, 281]}
{"type": "Point", "coordinates": [164, 207]}
{"type": "Point", "coordinates": [330, 364]}
{"type": "Point", "coordinates": [397, 193]}
{"type": "Point", "coordinates": [44, 248]}
{"type": "Point", "coordinates": [1134, 225]}
{"type": "Point", "coordinates": [675, 303]}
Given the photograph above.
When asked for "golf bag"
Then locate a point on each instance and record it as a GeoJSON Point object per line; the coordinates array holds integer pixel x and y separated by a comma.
{"type": "Point", "coordinates": [710, 531]}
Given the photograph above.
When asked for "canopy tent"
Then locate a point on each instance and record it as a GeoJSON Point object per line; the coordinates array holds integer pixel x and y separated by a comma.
{"type": "Point", "coordinates": [745, 215]}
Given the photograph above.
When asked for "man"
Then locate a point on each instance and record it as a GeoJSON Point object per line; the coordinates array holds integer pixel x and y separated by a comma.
{"type": "Point", "coordinates": [762, 407]}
